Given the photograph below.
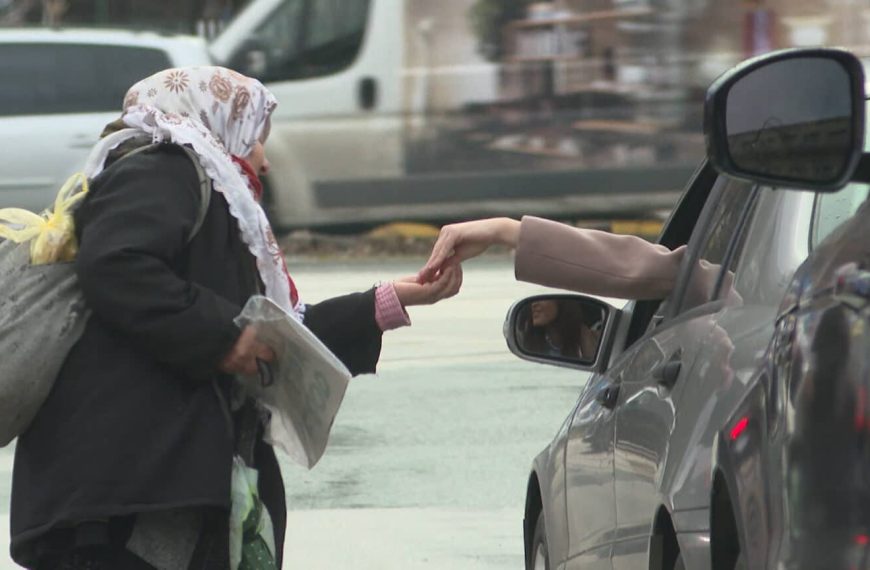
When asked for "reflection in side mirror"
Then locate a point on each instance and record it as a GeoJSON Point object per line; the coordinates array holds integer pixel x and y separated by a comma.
{"type": "Point", "coordinates": [559, 328]}
{"type": "Point", "coordinates": [794, 118]}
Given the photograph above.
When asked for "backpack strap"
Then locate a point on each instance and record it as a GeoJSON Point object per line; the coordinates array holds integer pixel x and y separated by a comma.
{"type": "Point", "coordinates": [204, 192]}
{"type": "Point", "coordinates": [204, 184]}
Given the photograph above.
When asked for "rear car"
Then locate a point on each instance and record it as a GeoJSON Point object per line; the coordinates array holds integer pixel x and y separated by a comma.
{"type": "Point", "coordinates": [60, 88]}
{"type": "Point", "coordinates": [727, 425]}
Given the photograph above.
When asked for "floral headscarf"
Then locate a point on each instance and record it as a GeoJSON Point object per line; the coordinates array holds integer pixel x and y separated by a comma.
{"type": "Point", "coordinates": [218, 113]}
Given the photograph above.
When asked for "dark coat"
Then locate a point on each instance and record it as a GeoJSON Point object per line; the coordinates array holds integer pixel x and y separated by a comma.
{"type": "Point", "coordinates": [134, 422]}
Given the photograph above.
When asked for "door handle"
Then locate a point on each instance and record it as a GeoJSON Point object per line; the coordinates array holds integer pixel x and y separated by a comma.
{"type": "Point", "coordinates": [667, 373]}
{"type": "Point", "coordinates": [368, 93]}
{"type": "Point", "coordinates": [608, 397]}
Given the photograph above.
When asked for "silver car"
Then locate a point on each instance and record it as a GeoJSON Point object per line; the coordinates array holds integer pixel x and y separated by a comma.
{"type": "Point", "coordinates": [728, 426]}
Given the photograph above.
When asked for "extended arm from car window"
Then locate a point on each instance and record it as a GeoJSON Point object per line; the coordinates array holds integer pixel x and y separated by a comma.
{"type": "Point", "coordinates": [593, 262]}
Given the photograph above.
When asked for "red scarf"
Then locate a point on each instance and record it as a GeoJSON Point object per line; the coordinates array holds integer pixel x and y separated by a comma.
{"type": "Point", "coordinates": [256, 186]}
{"type": "Point", "coordinates": [254, 182]}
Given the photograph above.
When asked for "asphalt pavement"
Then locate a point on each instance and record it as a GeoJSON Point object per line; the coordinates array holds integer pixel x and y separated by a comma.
{"type": "Point", "coordinates": [428, 460]}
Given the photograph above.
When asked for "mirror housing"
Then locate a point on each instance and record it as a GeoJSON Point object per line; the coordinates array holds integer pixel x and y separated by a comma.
{"type": "Point", "coordinates": [792, 118]}
{"type": "Point", "coordinates": [566, 330]}
{"type": "Point", "coordinates": [251, 59]}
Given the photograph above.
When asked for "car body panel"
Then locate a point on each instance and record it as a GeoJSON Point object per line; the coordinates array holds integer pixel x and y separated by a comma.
{"type": "Point", "coordinates": [591, 518]}
{"type": "Point", "coordinates": [664, 447]}
{"type": "Point", "coordinates": [756, 452]}
{"type": "Point", "coordinates": [695, 550]}
{"type": "Point", "coordinates": [732, 348]}
{"type": "Point", "coordinates": [548, 470]}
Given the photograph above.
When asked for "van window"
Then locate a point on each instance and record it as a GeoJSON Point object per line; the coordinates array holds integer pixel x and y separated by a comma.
{"type": "Point", "coordinates": [312, 38]}
{"type": "Point", "coordinates": [54, 78]}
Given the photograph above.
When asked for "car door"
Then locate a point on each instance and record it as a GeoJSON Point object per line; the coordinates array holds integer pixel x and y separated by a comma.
{"type": "Point", "coordinates": [55, 100]}
{"type": "Point", "coordinates": [650, 384]}
{"type": "Point", "coordinates": [589, 490]}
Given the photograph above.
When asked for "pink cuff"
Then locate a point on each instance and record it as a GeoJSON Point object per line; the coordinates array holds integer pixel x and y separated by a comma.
{"type": "Point", "coordinates": [389, 312]}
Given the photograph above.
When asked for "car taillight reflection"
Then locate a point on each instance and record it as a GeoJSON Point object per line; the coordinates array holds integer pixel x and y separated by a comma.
{"type": "Point", "coordinates": [739, 428]}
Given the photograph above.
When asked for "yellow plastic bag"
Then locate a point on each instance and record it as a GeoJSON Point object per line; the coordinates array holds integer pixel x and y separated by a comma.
{"type": "Point", "coordinates": [52, 234]}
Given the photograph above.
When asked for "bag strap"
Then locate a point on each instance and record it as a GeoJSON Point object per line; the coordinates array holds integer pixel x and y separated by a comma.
{"type": "Point", "coordinates": [204, 184]}
{"type": "Point", "coordinates": [204, 192]}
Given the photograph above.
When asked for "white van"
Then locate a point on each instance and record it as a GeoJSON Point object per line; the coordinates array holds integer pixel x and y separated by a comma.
{"type": "Point", "coordinates": [387, 111]}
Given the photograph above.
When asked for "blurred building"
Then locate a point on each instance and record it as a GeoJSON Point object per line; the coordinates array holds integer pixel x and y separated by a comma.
{"type": "Point", "coordinates": [656, 53]}
{"type": "Point", "coordinates": [186, 16]}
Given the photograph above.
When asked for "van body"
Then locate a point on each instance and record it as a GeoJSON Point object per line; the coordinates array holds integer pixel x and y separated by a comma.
{"type": "Point", "coordinates": [388, 111]}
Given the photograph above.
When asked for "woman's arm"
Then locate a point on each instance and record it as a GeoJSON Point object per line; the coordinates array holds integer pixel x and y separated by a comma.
{"type": "Point", "coordinates": [347, 326]}
{"type": "Point", "coordinates": [594, 262]}
{"type": "Point", "coordinates": [351, 326]}
{"type": "Point", "coordinates": [558, 255]}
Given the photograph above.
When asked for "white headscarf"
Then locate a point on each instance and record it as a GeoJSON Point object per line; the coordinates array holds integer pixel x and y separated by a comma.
{"type": "Point", "coordinates": [218, 113]}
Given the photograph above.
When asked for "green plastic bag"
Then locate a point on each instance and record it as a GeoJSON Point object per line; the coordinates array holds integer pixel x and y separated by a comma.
{"type": "Point", "coordinates": [252, 540]}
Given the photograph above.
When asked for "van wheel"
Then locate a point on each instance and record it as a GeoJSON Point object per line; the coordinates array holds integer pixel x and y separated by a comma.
{"type": "Point", "coordinates": [539, 555]}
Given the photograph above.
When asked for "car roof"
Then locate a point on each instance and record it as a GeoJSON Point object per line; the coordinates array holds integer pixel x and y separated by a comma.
{"type": "Point", "coordinates": [98, 36]}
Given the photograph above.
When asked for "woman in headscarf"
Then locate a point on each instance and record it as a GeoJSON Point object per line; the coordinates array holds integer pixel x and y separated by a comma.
{"type": "Point", "coordinates": [128, 463]}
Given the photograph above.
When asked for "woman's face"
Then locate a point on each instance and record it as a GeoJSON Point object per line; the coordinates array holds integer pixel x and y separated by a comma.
{"type": "Point", "coordinates": [257, 159]}
{"type": "Point", "coordinates": [544, 312]}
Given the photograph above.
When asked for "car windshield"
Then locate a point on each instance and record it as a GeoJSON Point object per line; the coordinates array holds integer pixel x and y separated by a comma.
{"type": "Point", "coordinates": [54, 78]}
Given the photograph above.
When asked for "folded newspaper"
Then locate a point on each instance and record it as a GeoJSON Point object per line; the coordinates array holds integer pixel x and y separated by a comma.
{"type": "Point", "coordinates": [305, 384]}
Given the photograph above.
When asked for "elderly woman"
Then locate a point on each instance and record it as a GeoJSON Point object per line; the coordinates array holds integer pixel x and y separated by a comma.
{"type": "Point", "coordinates": [128, 464]}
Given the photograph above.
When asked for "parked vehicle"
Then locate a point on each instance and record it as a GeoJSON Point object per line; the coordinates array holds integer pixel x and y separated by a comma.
{"type": "Point", "coordinates": [387, 110]}
{"type": "Point", "coordinates": [727, 426]}
{"type": "Point", "coordinates": [60, 87]}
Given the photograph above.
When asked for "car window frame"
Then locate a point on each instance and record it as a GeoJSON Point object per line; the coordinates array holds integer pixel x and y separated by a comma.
{"type": "Point", "coordinates": [698, 242]}
{"type": "Point", "coordinates": [671, 317]}
{"type": "Point", "coordinates": [674, 234]}
{"type": "Point", "coordinates": [92, 49]}
{"type": "Point", "coordinates": [302, 46]}
{"type": "Point", "coordinates": [747, 216]}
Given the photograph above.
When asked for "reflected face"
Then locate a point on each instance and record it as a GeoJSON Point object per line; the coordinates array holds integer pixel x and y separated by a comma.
{"type": "Point", "coordinates": [544, 312]}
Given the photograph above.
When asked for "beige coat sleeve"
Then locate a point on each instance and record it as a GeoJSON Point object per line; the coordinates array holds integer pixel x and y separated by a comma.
{"type": "Point", "coordinates": [594, 262]}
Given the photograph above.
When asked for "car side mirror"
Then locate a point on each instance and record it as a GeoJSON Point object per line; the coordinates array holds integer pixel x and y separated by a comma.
{"type": "Point", "coordinates": [566, 330]}
{"type": "Point", "coordinates": [792, 118]}
{"type": "Point", "coordinates": [251, 59]}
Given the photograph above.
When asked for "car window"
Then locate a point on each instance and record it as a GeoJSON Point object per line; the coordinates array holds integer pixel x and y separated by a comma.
{"type": "Point", "coordinates": [281, 35]}
{"type": "Point", "coordinates": [676, 233]}
{"type": "Point", "coordinates": [71, 78]}
{"type": "Point", "coordinates": [780, 234]}
{"type": "Point", "coordinates": [831, 210]}
{"type": "Point", "coordinates": [312, 38]}
{"type": "Point", "coordinates": [722, 239]}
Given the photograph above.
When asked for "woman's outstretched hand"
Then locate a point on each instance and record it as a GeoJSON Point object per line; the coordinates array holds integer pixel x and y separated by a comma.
{"type": "Point", "coordinates": [412, 292]}
{"type": "Point", "coordinates": [458, 242]}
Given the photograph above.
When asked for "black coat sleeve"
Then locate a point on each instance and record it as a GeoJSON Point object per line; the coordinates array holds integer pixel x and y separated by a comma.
{"type": "Point", "coordinates": [133, 231]}
{"type": "Point", "coordinates": [347, 326]}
